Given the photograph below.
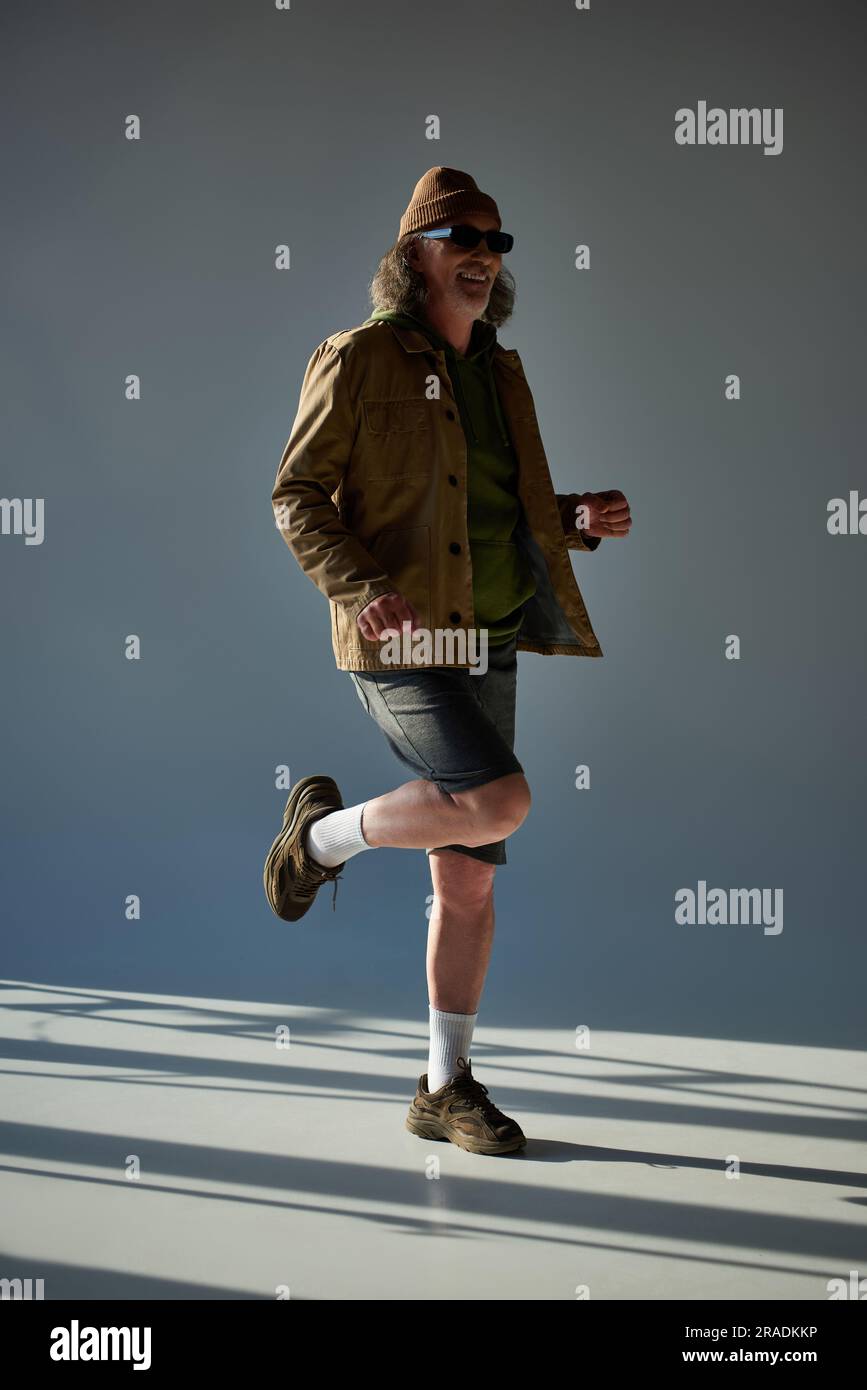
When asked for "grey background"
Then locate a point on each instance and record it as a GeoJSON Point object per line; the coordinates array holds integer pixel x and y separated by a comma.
{"type": "Point", "coordinates": [156, 257]}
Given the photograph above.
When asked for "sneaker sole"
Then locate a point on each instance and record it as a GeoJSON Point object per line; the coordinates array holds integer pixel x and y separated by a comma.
{"type": "Point", "coordinates": [277, 851]}
{"type": "Point", "coordinates": [434, 1129]}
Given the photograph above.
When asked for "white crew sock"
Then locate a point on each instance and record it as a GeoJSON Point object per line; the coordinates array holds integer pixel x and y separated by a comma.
{"type": "Point", "coordinates": [451, 1037]}
{"type": "Point", "coordinates": [336, 836]}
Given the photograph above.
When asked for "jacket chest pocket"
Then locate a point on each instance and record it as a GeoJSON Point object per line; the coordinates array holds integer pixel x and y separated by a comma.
{"type": "Point", "coordinates": [399, 437]}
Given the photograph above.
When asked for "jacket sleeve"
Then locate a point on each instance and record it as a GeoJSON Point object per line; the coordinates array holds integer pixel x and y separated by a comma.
{"type": "Point", "coordinates": [567, 502]}
{"type": "Point", "coordinates": [312, 467]}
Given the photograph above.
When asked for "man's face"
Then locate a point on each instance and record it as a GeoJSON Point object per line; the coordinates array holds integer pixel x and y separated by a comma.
{"type": "Point", "coordinates": [456, 278]}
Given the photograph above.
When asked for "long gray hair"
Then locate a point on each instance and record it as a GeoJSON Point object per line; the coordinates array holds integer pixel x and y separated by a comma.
{"type": "Point", "coordinates": [396, 285]}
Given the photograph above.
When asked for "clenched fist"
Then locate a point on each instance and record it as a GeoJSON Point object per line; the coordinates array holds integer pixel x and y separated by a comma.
{"type": "Point", "coordinates": [606, 513]}
{"type": "Point", "coordinates": [385, 615]}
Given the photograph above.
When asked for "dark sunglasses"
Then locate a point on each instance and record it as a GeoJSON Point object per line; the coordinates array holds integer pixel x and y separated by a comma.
{"type": "Point", "coordinates": [469, 237]}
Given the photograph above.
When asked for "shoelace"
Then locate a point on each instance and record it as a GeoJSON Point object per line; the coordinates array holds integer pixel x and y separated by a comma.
{"type": "Point", "coordinates": [313, 878]}
{"type": "Point", "coordinates": [475, 1092]}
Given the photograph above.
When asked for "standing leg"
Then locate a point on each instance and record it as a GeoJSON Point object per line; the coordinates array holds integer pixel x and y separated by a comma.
{"type": "Point", "coordinates": [460, 936]}
{"type": "Point", "coordinates": [449, 1102]}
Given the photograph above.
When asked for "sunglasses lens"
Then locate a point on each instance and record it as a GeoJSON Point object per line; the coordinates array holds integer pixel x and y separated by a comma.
{"type": "Point", "coordinates": [468, 237]}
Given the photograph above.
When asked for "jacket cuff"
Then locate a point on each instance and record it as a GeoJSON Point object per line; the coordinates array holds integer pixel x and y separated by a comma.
{"type": "Point", "coordinates": [575, 540]}
{"type": "Point", "coordinates": [370, 592]}
{"type": "Point", "coordinates": [588, 542]}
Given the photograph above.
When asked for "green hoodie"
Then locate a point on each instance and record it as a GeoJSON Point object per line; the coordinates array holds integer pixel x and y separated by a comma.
{"type": "Point", "coordinates": [502, 577]}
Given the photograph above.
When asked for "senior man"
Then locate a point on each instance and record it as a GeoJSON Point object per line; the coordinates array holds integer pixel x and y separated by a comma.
{"type": "Point", "coordinates": [415, 493]}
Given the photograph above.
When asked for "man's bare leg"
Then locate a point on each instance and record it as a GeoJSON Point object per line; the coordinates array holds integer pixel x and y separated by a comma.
{"type": "Point", "coordinates": [418, 815]}
{"type": "Point", "coordinates": [459, 941]}
{"type": "Point", "coordinates": [461, 930]}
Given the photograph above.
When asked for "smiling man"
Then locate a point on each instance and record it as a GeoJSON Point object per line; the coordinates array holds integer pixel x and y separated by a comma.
{"type": "Point", "coordinates": [415, 493]}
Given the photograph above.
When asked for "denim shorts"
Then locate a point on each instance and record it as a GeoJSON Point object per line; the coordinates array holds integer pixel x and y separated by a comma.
{"type": "Point", "coordinates": [454, 729]}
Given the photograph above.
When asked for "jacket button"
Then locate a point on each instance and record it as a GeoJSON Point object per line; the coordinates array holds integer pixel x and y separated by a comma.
{"type": "Point", "coordinates": [453, 480]}
{"type": "Point", "coordinates": [450, 414]}
{"type": "Point", "coordinates": [454, 617]}
{"type": "Point", "coordinates": [454, 548]}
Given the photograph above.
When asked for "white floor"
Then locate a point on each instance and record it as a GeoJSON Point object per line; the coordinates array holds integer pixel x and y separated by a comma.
{"type": "Point", "coordinates": [265, 1168]}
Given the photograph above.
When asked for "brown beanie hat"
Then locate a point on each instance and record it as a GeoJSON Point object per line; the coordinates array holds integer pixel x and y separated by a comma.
{"type": "Point", "coordinates": [442, 193]}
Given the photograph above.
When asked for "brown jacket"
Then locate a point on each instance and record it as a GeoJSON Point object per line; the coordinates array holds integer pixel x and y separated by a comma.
{"type": "Point", "coordinates": [371, 494]}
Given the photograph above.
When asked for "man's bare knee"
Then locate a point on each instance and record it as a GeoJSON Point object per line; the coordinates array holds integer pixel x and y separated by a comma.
{"type": "Point", "coordinates": [495, 810]}
{"type": "Point", "coordinates": [459, 879]}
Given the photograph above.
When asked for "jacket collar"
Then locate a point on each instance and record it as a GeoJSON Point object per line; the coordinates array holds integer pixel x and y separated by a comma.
{"type": "Point", "coordinates": [414, 341]}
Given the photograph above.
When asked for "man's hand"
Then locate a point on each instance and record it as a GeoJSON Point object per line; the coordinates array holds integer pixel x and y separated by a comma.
{"type": "Point", "coordinates": [603, 513]}
{"type": "Point", "coordinates": [384, 616]}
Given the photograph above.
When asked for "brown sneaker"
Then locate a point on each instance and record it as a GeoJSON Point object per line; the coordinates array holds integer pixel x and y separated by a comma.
{"type": "Point", "coordinates": [462, 1112]}
{"type": "Point", "coordinates": [292, 877]}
